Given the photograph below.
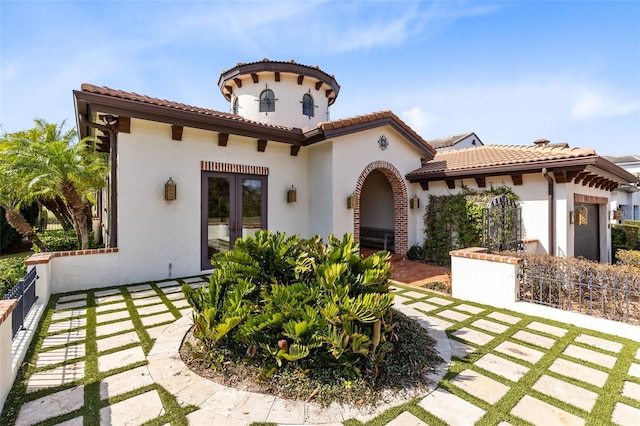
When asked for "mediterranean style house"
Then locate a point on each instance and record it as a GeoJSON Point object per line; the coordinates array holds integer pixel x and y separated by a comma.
{"type": "Point", "coordinates": [186, 181]}
{"type": "Point", "coordinates": [625, 200]}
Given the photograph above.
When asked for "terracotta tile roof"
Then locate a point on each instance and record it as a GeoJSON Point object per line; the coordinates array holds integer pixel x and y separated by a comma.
{"type": "Point", "coordinates": [132, 96]}
{"type": "Point", "coordinates": [487, 156]}
{"type": "Point", "coordinates": [289, 62]}
{"type": "Point", "coordinates": [372, 118]}
{"type": "Point", "coordinates": [448, 141]}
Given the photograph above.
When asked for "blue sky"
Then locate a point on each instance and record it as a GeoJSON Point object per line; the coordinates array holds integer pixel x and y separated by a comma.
{"type": "Point", "coordinates": [511, 71]}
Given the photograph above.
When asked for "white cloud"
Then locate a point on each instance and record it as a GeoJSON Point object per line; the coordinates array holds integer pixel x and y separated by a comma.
{"type": "Point", "coordinates": [419, 119]}
{"type": "Point", "coordinates": [594, 105]}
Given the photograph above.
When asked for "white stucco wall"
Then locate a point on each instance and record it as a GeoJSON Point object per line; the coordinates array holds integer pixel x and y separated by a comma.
{"type": "Point", "coordinates": [288, 106]}
{"type": "Point", "coordinates": [352, 153]}
{"type": "Point", "coordinates": [154, 232]}
{"type": "Point", "coordinates": [321, 203]}
{"type": "Point", "coordinates": [534, 197]}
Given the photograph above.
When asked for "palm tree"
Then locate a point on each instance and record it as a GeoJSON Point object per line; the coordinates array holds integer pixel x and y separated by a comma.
{"type": "Point", "coordinates": [13, 194]}
{"type": "Point", "coordinates": [56, 166]}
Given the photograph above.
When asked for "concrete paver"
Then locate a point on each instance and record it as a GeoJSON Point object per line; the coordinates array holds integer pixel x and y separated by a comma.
{"type": "Point", "coordinates": [124, 382]}
{"type": "Point", "coordinates": [624, 414]}
{"type": "Point", "coordinates": [56, 376]}
{"type": "Point", "coordinates": [504, 317]}
{"type": "Point", "coordinates": [480, 386]}
{"type": "Point", "coordinates": [473, 336]}
{"type": "Point", "coordinates": [490, 326]}
{"type": "Point", "coordinates": [50, 406]}
{"type": "Point", "coordinates": [120, 359]}
{"type": "Point", "coordinates": [631, 390]}
{"type": "Point", "coordinates": [594, 357]}
{"type": "Point", "coordinates": [226, 406]}
{"type": "Point", "coordinates": [451, 408]}
{"type": "Point", "coordinates": [579, 372]}
{"type": "Point", "coordinates": [599, 343]}
{"type": "Point", "coordinates": [566, 392]}
{"type": "Point", "coordinates": [541, 413]}
{"type": "Point", "coordinates": [534, 339]}
{"type": "Point", "coordinates": [546, 328]}
{"type": "Point", "coordinates": [522, 352]}
{"type": "Point", "coordinates": [502, 367]}
{"type": "Point", "coordinates": [133, 411]}
{"type": "Point", "coordinates": [117, 341]}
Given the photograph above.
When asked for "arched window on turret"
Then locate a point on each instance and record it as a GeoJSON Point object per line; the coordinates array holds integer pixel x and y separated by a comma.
{"type": "Point", "coordinates": [307, 105]}
{"type": "Point", "coordinates": [234, 109]}
{"type": "Point", "coordinates": [267, 101]}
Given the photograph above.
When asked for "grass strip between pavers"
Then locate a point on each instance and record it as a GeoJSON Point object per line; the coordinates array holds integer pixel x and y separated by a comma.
{"type": "Point", "coordinates": [608, 395]}
{"type": "Point", "coordinates": [90, 411]}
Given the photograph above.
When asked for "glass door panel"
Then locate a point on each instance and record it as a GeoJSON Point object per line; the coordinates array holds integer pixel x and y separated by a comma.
{"type": "Point", "coordinates": [233, 206]}
{"type": "Point", "coordinates": [251, 206]}
{"type": "Point", "coordinates": [218, 215]}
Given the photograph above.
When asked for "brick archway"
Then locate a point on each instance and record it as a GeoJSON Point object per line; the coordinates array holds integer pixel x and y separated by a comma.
{"type": "Point", "coordinates": [400, 203]}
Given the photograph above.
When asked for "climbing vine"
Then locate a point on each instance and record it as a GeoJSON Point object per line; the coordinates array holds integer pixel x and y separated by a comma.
{"type": "Point", "coordinates": [455, 221]}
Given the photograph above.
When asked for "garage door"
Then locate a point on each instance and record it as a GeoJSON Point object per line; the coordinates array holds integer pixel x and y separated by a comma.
{"type": "Point", "coordinates": [587, 237]}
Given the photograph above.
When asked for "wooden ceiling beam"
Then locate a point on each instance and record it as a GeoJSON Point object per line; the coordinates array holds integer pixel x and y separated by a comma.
{"type": "Point", "coordinates": [254, 77]}
{"type": "Point", "coordinates": [176, 132]}
{"type": "Point", "coordinates": [560, 176]}
{"type": "Point", "coordinates": [262, 145]}
{"type": "Point", "coordinates": [223, 139]}
{"type": "Point", "coordinates": [328, 93]}
{"type": "Point", "coordinates": [580, 176]}
{"type": "Point", "coordinates": [451, 183]}
{"type": "Point", "coordinates": [238, 82]}
{"type": "Point", "coordinates": [300, 79]}
{"type": "Point", "coordinates": [294, 150]}
{"type": "Point", "coordinates": [124, 124]}
{"type": "Point", "coordinates": [516, 179]}
{"type": "Point", "coordinates": [276, 75]}
{"type": "Point", "coordinates": [571, 174]}
{"type": "Point", "coordinates": [481, 182]}
{"type": "Point", "coordinates": [424, 185]}
{"type": "Point", "coordinates": [318, 85]}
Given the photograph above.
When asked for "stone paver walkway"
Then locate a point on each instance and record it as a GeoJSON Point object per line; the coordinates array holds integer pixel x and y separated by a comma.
{"type": "Point", "coordinates": [111, 354]}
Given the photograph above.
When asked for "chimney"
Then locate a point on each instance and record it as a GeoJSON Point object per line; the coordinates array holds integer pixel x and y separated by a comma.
{"type": "Point", "coordinates": [541, 142]}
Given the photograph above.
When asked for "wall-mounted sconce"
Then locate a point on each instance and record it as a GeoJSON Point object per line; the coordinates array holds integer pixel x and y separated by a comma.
{"type": "Point", "coordinates": [581, 216]}
{"type": "Point", "coordinates": [351, 201]}
{"type": "Point", "coordinates": [292, 195]}
{"type": "Point", "coordinates": [617, 213]}
{"type": "Point", "coordinates": [170, 190]}
{"type": "Point", "coordinates": [414, 203]}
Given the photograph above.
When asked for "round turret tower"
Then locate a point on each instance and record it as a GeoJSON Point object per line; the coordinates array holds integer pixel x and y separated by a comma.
{"type": "Point", "coordinates": [280, 93]}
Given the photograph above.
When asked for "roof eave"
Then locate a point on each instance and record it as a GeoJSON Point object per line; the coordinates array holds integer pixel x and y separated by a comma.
{"type": "Point", "coordinates": [163, 114]}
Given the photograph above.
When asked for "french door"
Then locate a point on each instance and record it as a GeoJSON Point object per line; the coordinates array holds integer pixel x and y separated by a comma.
{"type": "Point", "coordinates": [233, 206]}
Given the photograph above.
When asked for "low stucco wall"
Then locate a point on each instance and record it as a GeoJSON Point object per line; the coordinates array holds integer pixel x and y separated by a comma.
{"type": "Point", "coordinates": [493, 280]}
{"type": "Point", "coordinates": [484, 278]}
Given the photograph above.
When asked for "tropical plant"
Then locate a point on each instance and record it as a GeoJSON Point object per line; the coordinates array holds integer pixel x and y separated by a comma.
{"type": "Point", "coordinates": [286, 300]}
{"type": "Point", "coordinates": [54, 166]}
{"type": "Point", "coordinates": [13, 194]}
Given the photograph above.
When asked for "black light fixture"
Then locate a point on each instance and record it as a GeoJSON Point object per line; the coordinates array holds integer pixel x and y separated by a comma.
{"type": "Point", "coordinates": [170, 190]}
{"type": "Point", "coordinates": [292, 195]}
{"type": "Point", "coordinates": [414, 203]}
{"type": "Point", "coordinates": [352, 201]}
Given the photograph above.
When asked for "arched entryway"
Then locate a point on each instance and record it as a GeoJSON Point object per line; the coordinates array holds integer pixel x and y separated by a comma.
{"type": "Point", "coordinates": [381, 182]}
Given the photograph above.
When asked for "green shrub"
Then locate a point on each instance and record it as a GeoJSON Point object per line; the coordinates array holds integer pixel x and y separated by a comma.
{"type": "Point", "coordinates": [60, 240]}
{"type": "Point", "coordinates": [283, 300]}
{"type": "Point", "coordinates": [625, 237]}
{"type": "Point", "coordinates": [415, 253]}
{"type": "Point", "coordinates": [628, 257]}
{"type": "Point", "coordinates": [12, 269]}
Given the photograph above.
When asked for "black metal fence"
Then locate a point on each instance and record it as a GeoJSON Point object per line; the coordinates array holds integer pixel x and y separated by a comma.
{"type": "Point", "coordinates": [25, 293]}
{"type": "Point", "coordinates": [572, 286]}
{"type": "Point", "coordinates": [502, 225]}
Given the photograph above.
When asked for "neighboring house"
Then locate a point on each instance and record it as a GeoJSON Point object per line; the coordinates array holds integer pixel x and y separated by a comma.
{"type": "Point", "coordinates": [626, 197]}
{"type": "Point", "coordinates": [187, 181]}
{"type": "Point", "coordinates": [553, 181]}
{"type": "Point", "coordinates": [465, 140]}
